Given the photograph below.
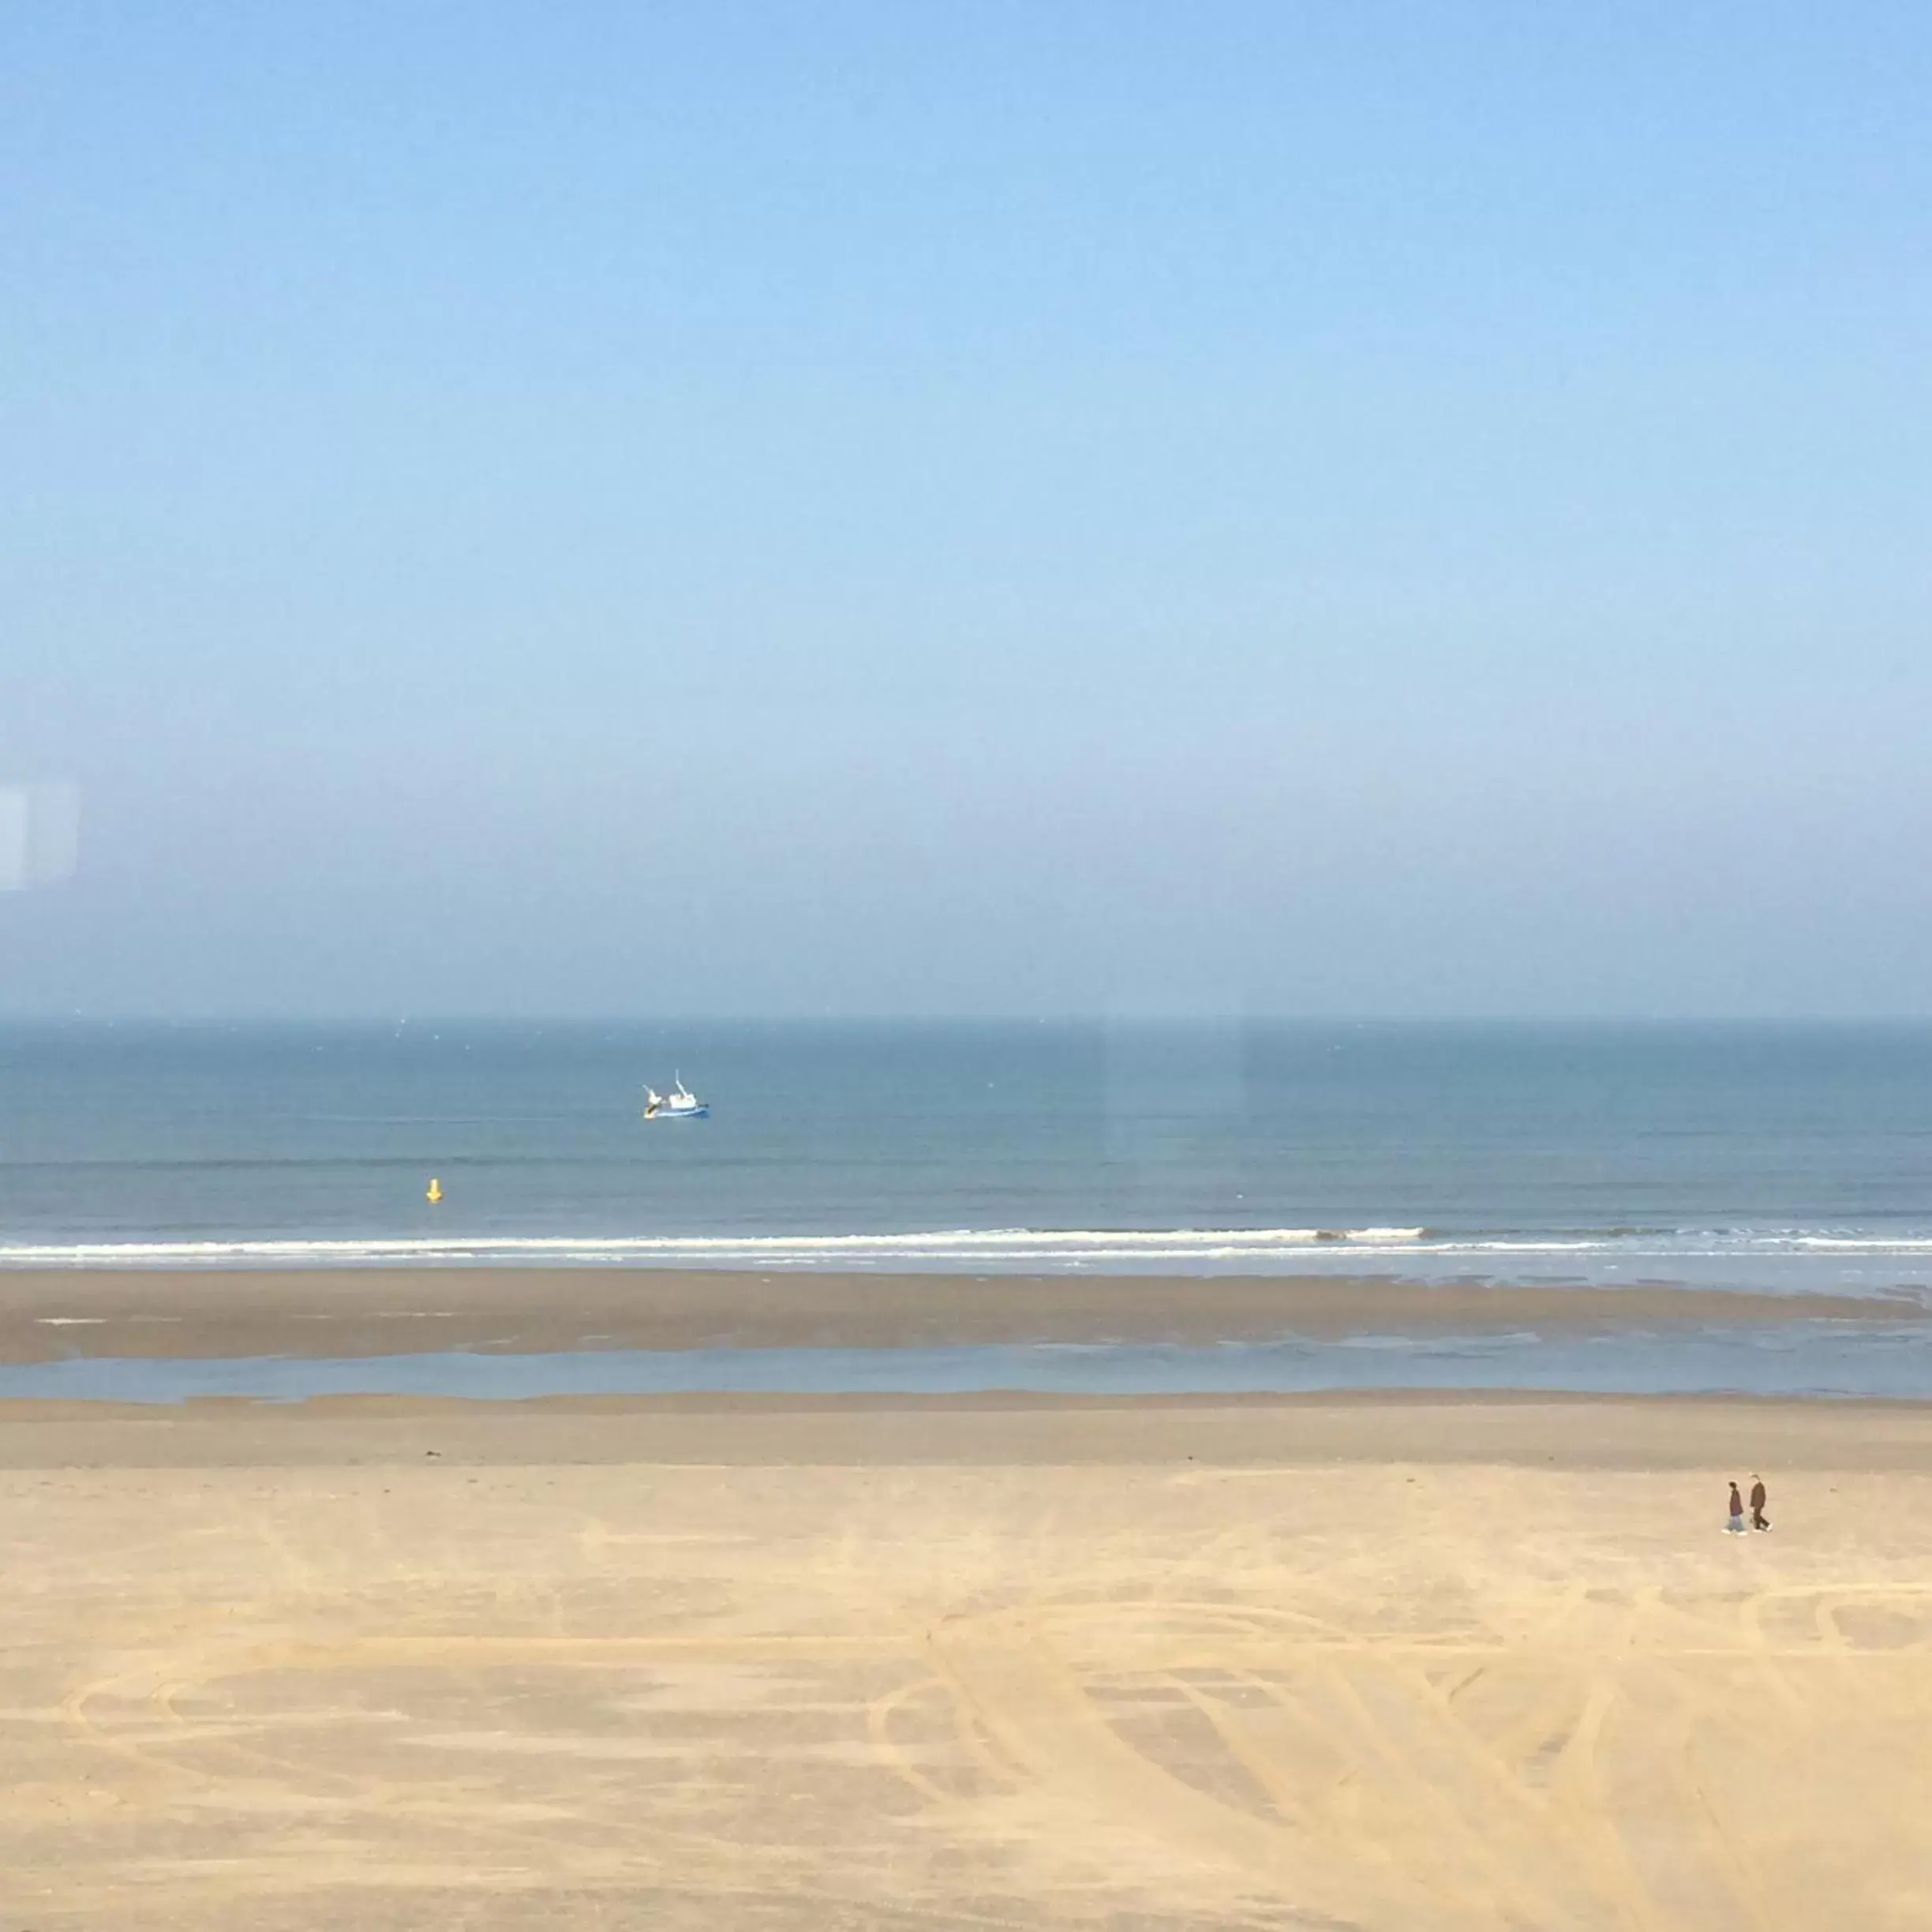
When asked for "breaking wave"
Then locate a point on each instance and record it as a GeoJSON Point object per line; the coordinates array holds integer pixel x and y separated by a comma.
{"type": "Point", "coordinates": [1572, 1252]}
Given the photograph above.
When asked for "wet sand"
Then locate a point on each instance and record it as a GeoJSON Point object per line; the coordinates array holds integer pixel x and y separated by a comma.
{"type": "Point", "coordinates": [785, 1663]}
{"type": "Point", "coordinates": [47, 1313]}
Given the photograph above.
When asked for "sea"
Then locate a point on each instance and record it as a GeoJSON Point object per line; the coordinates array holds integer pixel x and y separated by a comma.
{"type": "Point", "coordinates": [1781, 1157]}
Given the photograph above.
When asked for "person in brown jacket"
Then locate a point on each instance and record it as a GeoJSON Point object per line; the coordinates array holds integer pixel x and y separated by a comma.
{"type": "Point", "coordinates": [1759, 1520]}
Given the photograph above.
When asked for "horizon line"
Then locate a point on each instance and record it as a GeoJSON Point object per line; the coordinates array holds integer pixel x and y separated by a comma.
{"type": "Point", "coordinates": [1102, 1017]}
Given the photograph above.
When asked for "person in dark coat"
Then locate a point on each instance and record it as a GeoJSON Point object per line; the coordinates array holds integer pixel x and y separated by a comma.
{"type": "Point", "coordinates": [1759, 1519]}
{"type": "Point", "coordinates": [1735, 1526]}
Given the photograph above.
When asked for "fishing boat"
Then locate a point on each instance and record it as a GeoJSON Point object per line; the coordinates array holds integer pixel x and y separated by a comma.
{"type": "Point", "coordinates": [680, 1103]}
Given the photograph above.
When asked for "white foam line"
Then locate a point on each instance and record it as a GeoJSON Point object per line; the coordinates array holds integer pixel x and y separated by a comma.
{"type": "Point", "coordinates": [959, 1241]}
{"type": "Point", "coordinates": [1064, 1247]}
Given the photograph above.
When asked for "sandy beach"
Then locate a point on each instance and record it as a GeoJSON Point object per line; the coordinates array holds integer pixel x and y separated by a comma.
{"type": "Point", "coordinates": [1343, 1662]}
{"type": "Point", "coordinates": [47, 1313]}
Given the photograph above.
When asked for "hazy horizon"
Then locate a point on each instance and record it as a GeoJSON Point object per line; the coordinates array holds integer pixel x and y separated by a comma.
{"type": "Point", "coordinates": [1222, 1023]}
{"type": "Point", "coordinates": [515, 512]}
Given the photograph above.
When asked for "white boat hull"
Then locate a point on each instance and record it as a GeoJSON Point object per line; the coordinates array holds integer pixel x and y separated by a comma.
{"type": "Point", "coordinates": [680, 1103]}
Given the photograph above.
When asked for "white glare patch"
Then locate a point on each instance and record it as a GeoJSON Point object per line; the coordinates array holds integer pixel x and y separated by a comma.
{"type": "Point", "coordinates": [40, 834]}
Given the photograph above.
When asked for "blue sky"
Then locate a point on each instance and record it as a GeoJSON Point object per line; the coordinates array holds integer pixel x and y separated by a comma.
{"type": "Point", "coordinates": [989, 508]}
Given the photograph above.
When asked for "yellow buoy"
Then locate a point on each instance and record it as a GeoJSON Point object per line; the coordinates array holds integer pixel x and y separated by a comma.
{"type": "Point", "coordinates": [435, 1191]}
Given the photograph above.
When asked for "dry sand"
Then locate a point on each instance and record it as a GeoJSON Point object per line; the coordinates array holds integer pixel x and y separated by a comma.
{"type": "Point", "coordinates": [1410, 1663]}
{"type": "Point", "coordinates": [349, 1312]}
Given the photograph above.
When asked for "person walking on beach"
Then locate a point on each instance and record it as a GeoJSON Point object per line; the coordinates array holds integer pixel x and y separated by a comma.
{"type": "Point", "coordinates": [1759, 1519]}
{"type": "Point", "coordinates": [1735, 1526]}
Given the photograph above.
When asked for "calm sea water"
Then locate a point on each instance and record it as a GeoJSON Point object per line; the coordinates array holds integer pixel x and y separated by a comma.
{"type": "Point", "coordinates": [1780, 1156]}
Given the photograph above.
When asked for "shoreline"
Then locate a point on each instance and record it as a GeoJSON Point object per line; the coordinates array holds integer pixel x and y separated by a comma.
{"type": "Point", "coordinates": [1527, 1429]}
{"type": "Point", "coordinates": [46, 1314]}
